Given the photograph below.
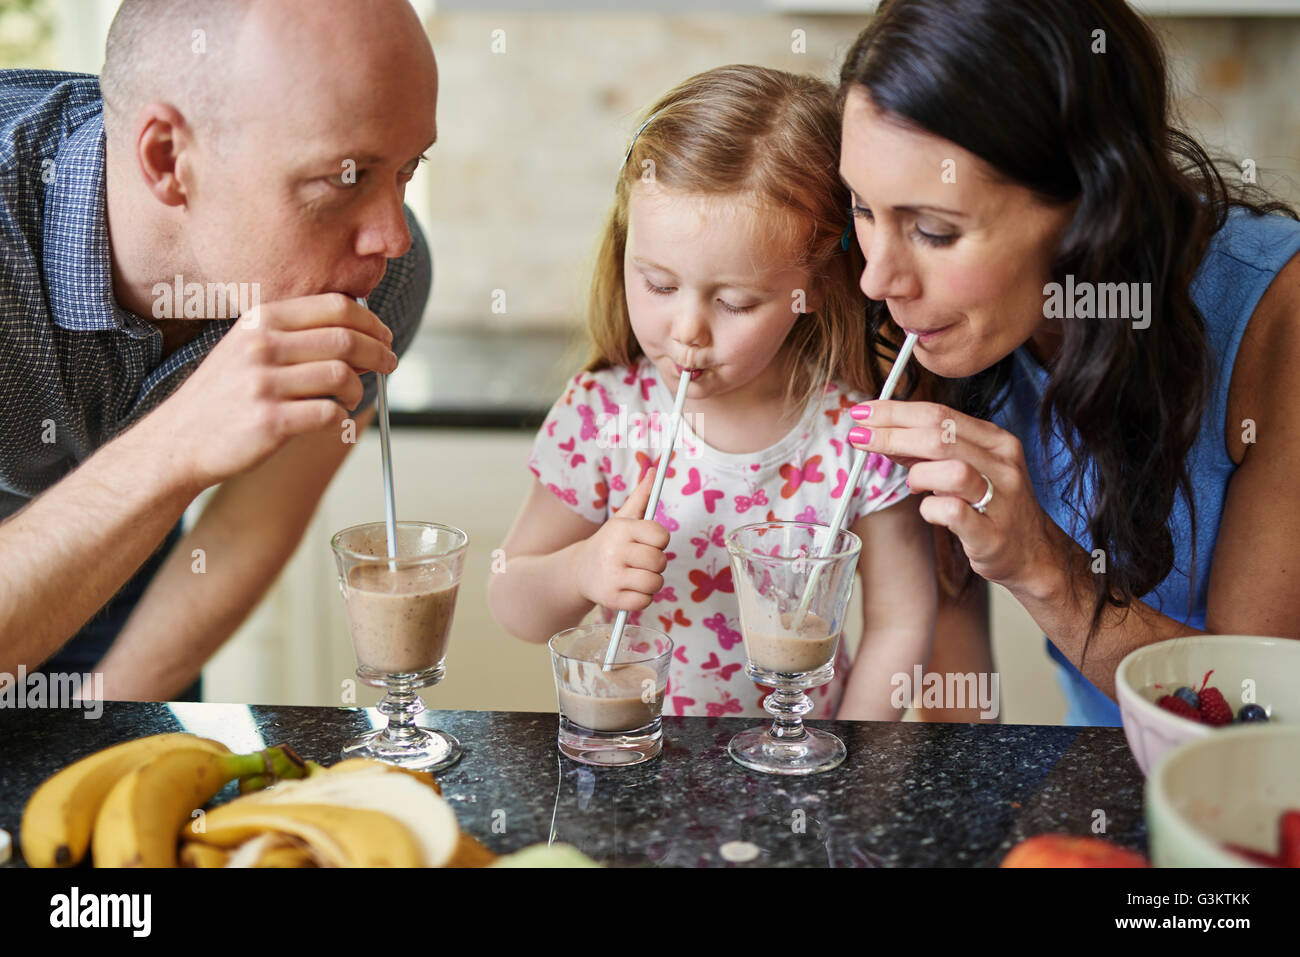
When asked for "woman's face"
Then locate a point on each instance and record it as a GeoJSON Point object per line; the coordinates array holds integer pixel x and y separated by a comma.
{"type": "Point", "coordinates": [947, 246]}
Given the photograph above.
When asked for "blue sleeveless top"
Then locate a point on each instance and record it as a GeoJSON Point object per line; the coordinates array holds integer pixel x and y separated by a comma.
{"type": "Point", "coordinates": [1240, 263]}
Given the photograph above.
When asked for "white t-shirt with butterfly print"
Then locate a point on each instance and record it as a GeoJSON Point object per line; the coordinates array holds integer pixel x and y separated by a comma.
{"type": "Point", "coordinates": [609, 427]}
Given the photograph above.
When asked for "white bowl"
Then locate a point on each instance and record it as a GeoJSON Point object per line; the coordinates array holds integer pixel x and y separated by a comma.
{"type": "Point", "coordinates": [1230, 786]}
{"type": "Point", "coordinates": [1273, 664]}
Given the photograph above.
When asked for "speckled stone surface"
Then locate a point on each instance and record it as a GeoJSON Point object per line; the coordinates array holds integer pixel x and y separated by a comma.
{"type": "Point", "coordinates": [908, 794]}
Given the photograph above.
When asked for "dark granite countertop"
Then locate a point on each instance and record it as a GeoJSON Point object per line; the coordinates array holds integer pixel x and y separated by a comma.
{"type": "Point", "coordinates": [909, 794]}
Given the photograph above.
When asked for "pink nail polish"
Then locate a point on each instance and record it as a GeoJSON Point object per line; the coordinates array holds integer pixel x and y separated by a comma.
{"type": "Point", "coordinates": [859, 435]}
{"type": "Point", "coordinates": [860, 412]}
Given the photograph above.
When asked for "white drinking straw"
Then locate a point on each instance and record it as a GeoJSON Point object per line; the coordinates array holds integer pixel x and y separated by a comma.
{"type": "Point", "coordinates": [855, 472]}
{"type": "Point", "coordinates": [620, 620]}
{"type": "Point", "coordinates": [385, 446]}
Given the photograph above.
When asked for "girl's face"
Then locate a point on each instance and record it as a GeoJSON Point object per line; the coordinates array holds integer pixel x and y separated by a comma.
{"type": "Point", "coordinates": [950, 249]}
{"type": "Point", "coordinates": [710, 288]}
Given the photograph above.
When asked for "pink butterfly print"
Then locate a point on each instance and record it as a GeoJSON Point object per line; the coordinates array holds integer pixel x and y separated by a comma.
{"type": "Point", "coordinates": [838, 446]}
{"type": "Point", "coordinates": [843, 477]}
{"type": "Point", "coordinates": [630, 378]}
{"type": "Point", "coordinates": [727, 637]}
{"type": "Point", "coordinates": [706, 584]}
{"type": "Point", "coordinates": [602, 491]}
{"type": "Point", "coordinates": [794, 477]}
{"type": "Point", "coordinates": [667, 521]}
{"type": "Point", "coordinates": [717, 710]}
{"type": "Point", "coordinates": [550, 427]}
{"type": "Point", "coordinates": [588, 416]}
{"type": "Point", "coordinates": [577, 460]}
{"type": "Point", "coordinates": [617, 484]}
{"type": "Point", "coordinates": [640, 647]}
{"type": "Point", "coordinates": [667, 594]}
{"type": "Point", "coordinates": [646, 386]}
{"type": "Point", "coordinates": [701, 544]}
{"type": "Point", "coordinates": [809, 514]}
{"type": "Point", "coordinates": [610, 406]}
{"type": "Point", "coordinates": [568, 495]}
{"type": "Point", "coordinates": [677, 619]}
{"type": "Point", "coordinates": [569, 445]}
{"type": "Point", "coordinates": [713, 661]}
{"type": "Point", "coordinates": [726, 672]}
{"type": "Point", "coordinates": [729, 670]}
{"type": "Point", "coordinates": [680, 654]}
{"type": "Point", "coordinates": [711, 496]}
{"type": "Point", "coordinates": [882, 465]}
{"type": "Point", "coordinates": [745, 502]}
{"type": "Point", "coordinates": [681, 703]}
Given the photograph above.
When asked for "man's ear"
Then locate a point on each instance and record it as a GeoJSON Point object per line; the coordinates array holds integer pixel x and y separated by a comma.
{"type": "Point", "coordinates": [162, 142]}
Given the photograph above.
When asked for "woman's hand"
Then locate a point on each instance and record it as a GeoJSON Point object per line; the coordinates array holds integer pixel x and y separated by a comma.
{"type": "Point", "coordinates": [1013, 542]}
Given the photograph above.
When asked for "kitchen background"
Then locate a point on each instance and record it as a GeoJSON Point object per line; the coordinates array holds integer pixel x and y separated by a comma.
{"type": "Point", "coordinates": [534, 113]}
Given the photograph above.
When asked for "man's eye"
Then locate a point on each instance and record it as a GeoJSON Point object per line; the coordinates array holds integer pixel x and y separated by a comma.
{"type": "Point", "coordinates": [345, 179]}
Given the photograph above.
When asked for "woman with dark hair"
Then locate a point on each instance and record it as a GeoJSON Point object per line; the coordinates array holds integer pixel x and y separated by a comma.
{"type": "Point", "coordinates": [1102, 415]}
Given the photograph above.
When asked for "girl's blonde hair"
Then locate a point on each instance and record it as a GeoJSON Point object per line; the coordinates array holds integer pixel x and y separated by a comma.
{"type": "Point", "coordinates": [773, 139]}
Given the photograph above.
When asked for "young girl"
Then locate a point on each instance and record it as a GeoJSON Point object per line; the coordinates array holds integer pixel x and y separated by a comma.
{"type": "Point", "coordinates": [724, 256]}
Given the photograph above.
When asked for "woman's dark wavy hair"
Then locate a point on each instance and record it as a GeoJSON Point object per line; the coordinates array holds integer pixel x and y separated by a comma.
{"type": "Point", "coordinates": [1016, 83]}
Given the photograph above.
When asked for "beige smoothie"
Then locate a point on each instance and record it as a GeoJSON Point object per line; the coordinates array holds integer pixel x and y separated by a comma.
{"type": "Point", "coordinates": [613, 700]}
{"type": "Point", "coordinates": [793, 653]}
{"type": "Point", "coordinates": [400, 618]}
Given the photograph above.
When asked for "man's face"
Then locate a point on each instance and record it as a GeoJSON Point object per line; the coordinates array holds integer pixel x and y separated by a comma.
{"type": "Point", "coordinates": [303, 191]}
{"type": "Point", "coordinates": [969, 257]}
{"type": "Point", "coordinates": [709, 288]}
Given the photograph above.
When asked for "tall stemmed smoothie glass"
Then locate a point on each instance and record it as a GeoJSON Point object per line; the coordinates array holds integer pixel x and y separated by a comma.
{"type": "Point", "coordinates": [775, 564]}
{"type": "Point", "coordinates": [400, 610]}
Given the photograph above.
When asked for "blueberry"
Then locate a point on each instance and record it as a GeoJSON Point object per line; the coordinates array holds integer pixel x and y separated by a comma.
{"type": "Point", "coordinates": [1190, 696]}
{"type": "Point", "coordinates": [1252, 712]}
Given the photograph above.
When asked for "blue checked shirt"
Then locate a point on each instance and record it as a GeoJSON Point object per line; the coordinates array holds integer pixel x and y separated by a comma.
{"type": "Point", "coordinates": [75, 367]}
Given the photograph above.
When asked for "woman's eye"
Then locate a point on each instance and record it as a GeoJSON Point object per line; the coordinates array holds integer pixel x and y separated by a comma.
{"type": "Point", "coordinates": [860, 212]}
{"type": "Point", "coordinates": [935, 239]}
{"type": "Point", "coordinates": [658, 290]}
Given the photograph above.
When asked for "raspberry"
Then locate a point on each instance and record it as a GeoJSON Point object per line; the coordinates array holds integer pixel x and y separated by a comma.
{"type": "Point", "coordinates": [1214, 709]}
{"type": "Point", "coordinates": [1179, 707]}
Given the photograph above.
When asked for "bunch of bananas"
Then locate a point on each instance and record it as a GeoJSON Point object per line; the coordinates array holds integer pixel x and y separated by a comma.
{"type": "Point", "coordinates": [141, 804]}
{"type": "Point", "coordinates": [132, 799]}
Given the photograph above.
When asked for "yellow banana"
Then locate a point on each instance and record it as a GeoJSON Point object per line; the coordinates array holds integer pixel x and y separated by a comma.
{"type": "Point", "coordinates": [60, 814]}
{"type": "Point", "coordinates": [202, 855]}
{"type": "Point", "coordinates": [141, 816]}
{"type": "Point", "coordinates": [339, 836]}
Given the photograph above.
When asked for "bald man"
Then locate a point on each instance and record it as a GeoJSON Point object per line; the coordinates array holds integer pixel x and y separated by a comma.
{"type": "Point", "coordinates": [178, 268]}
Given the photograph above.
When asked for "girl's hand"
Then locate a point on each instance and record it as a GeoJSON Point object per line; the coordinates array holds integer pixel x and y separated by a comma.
{"type": "Point", "coordinates": [1013, 542]}
{"type": "Point", "coordinates": [621, 565]}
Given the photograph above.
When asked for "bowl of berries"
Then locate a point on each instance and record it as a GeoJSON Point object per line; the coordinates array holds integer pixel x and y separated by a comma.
{"type": "Point", "coordinates": [1229, 799]}
{"type": "Point", "coordinates": [1184, 688]}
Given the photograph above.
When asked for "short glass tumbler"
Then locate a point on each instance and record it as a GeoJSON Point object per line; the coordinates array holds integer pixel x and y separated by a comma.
{"type": "Point", "coordinates": [610, 717]}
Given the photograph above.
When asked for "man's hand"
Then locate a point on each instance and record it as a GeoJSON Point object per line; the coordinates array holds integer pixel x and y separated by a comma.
{"type": "Point", "coordinates": [276, 374]}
